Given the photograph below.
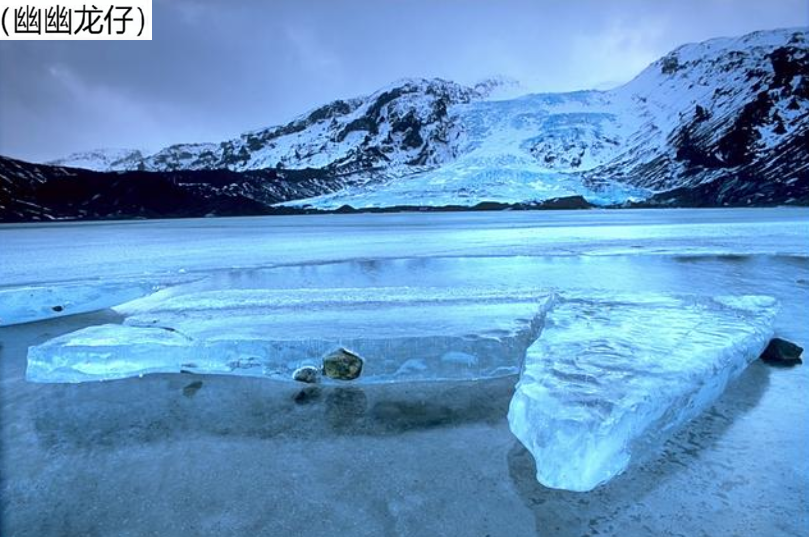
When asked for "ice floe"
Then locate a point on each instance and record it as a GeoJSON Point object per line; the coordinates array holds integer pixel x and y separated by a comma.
{"type": "Point", "coordinates": [604, 377]}
{"type": "Point", "coordinates": [612, 376]}
{"type": "Point", "coordinates": [402, 334]}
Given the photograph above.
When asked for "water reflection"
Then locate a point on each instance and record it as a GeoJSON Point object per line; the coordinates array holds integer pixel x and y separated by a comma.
{"type": "Point", "coordinates": [614, 504]}
{"type": "Point", "coordinates": [700, 274]}
{"type": "Point", "coordinates": [160, 408]}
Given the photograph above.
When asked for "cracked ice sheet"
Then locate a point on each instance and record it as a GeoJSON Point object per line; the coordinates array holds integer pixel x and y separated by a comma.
{"type": "Point", "coordinates": [33, 303]}
{"type": "Point", "coordinates": [612, 376]}
{"type": "Point", "coordinates": [403, 334]}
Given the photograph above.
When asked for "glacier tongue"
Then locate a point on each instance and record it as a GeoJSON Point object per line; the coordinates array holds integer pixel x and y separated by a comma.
{"type": "Point", "coordinates": [402, 333]}
{"type": "Point", "coordinates": [612, 376]}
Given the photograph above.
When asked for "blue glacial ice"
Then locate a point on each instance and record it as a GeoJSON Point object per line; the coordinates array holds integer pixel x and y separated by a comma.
{"type": "Point", "coordinates": [604, 377]}
{"type": "Point", "coordinates": [612, 376]}
{"type": "Point", "coordinates": [402, 333]}
{"type": "Point", "coordinates": [24, 304]}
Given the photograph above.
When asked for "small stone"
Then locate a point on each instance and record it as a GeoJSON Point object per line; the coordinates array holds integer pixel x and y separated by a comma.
{"type": "Point", "coordinates": [342, 364]}
{"type": "Point", "coordinates": [782, 352]}
{"type": "Point", "coordinates": [57, 309]}
{"type": "Point", "coordinates": [308, 374]}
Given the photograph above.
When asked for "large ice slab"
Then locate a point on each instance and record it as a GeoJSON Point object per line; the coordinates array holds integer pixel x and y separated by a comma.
{"type": "Point", "coordinates": [402, 333]}
{"type": "Point", "coordinates": [25, 304]}
{"type": "Point", "coordinates": [612, 376]}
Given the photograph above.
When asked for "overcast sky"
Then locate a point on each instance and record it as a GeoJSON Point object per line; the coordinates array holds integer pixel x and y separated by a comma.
{"type": "Point", "coordinates": [219, 67]}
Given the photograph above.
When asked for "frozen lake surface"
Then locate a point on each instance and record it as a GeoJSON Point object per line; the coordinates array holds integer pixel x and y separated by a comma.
{"type": "Point", "coordinates": [170, 454]}
{"type": "Point", "coordinates": [36, 253]}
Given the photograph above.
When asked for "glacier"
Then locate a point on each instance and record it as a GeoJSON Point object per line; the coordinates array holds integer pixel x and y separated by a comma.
{"type": "Point", "coordinates": [513, 151]}
{"type": "Point", "coordinates": [708, 117]}
{"type": "Point", "coordinates": [622, 145]}
{"type": "Point", "coordinates": [612, 376]}
{"type": "Point", "coordinates": [402, 334]}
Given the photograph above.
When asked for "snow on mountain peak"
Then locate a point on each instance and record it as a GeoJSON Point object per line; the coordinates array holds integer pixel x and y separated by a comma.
{"type": "Point", "coordinates": [101, 159]}
{"type": "Point", "coordinates": [721, 111]}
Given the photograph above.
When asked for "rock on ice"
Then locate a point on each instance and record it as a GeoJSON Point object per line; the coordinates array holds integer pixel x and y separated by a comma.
{"type": "Point", "coordinates": [401, 334]}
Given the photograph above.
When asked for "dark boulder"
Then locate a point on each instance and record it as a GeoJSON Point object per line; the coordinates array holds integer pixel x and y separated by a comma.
{"type": "Point", "coordinates": [342, 364]}
{"type": "Point", "coordinates": [782, 352]}
{"type": "Point", "coordinates": [308, 374]}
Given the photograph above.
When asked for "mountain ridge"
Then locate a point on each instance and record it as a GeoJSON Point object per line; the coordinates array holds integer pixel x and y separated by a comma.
{"type": "Point", "coordinates": [726, 118]}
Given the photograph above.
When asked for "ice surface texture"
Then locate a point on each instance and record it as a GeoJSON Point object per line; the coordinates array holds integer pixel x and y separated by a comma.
{"type": "Point", "coordinates": [33, 303]}
{"type": "Point", "coordinates": [608, 379]}
{"type": "Point", "coordinates": [402, 333]}
{"type": "Point", "coordinates": [612, 376]}
{"type": "Point", "coordinates": [154, 249]}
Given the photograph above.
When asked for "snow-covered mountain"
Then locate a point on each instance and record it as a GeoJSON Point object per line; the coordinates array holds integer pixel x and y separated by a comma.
{"type": "Point", "coordinates": [728, 117]}
{"type": "Point", "coordinates": [719, 122]}
{"type": "Point", "coordinates": [402, 126]}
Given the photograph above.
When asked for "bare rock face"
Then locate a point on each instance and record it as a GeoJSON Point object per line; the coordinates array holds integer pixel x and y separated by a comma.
{"type": "Point", "coordinates": [308, 374]}
{"type": "Point", "coordinates": [342, 364]}
{"type": "Point", "coordinates": [782, 352]}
